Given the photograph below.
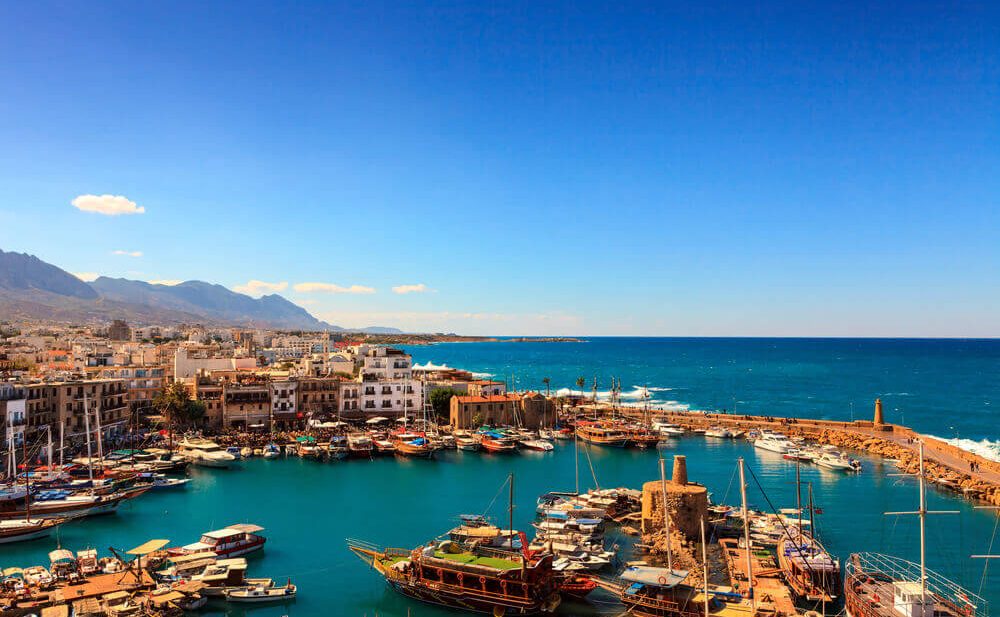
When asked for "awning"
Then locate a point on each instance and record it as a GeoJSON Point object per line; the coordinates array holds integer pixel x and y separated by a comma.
{"type": "Point", "coordinates": [656, 577]}
{"type": "Point", "coordinates": [246, 527]}
{"type": "Point", "coordinates": [376, 420]}
{"type": "Point", "coordinates": [60, 554]}
{"type": "Point", "coordinates": [149, 547]}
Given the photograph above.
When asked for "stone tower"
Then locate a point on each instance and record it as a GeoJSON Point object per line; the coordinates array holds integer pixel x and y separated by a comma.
{"type": "Point", "coordinates": [687, 503]}
{"type": "Point", "coordinates": [879, 419]}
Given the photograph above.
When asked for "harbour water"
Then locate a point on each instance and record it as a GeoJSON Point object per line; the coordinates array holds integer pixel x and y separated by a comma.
{"type": "Point", "coordinates": [308, 508]}
{"type": "Point", "coordinates": [948, 388]}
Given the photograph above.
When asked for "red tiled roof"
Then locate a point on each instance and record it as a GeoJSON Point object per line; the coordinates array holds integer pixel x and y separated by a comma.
{"type": "Point", "coordinates": [500, 398]}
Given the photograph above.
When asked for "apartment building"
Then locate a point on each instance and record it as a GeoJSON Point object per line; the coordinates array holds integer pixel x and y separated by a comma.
{"type": "Point", "coordinates": [107, 397]}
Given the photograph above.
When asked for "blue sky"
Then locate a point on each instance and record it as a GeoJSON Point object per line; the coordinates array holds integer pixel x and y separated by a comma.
{"type": "Point", "coordinates": [539, 168]}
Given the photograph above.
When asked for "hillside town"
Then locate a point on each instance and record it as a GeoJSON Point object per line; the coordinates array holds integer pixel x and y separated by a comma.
{"type": "Point", "coordinates": [247, 380]}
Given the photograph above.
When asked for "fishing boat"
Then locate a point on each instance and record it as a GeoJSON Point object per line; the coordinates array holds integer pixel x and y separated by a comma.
{"type": "Point", "coordinates": [259, 594]}
{"type": "Point", "coordinates": [412, 445]}
{"type": "Point", "coordinates": [271, 451]}
{"type": "Point", "coordinates": [601, 435]}
{"type": "Point", "coordinates": [233, 541]}
{"type": "Point", "coordinates": [466, 443]}
{"type": "Point", "coordinates": [339, 448]}
{"type": "Point", "coordinates": [305, 446]}
{"type": "Point", "coordinates": [359, 445]}
{"type": "Point", "coordinates": [205, 453]}
{"type": "Point", "coordinates": [575, 585]}
{"type": "Point", "coordinates": [21, 530]}
{"type": "Point", "coordinates": [810, 571]}
{"type": "Point", "coordinates": [384, 447]}
{"type": "Point", "coordinates": [496, 442]}
{"type": "Point", "coordinates": [642, 437]}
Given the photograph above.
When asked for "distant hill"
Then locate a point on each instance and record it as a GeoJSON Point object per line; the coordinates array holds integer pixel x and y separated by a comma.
{"type": "Point", "coordinates": [33, 289]}
{"type": "Point", "coordinates": [20, 272]}
{"type": "Point", "coordinates": [214, 301]}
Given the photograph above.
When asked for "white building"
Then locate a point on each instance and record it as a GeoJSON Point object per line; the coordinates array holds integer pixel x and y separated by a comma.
{"type": "Point", "coordinates": [391, 397]}
{"type": "Point", "coordinates": [386, 364]}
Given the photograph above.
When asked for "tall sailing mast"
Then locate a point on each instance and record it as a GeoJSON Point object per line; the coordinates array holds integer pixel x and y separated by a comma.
{"type": "Point", "coordinates": [922, 513]}
{"type": "Point", "coordinates": [746, 533]}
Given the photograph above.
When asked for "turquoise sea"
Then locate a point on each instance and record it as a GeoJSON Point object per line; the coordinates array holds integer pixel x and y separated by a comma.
{"type": "Point", "coordinates": [309, 508]}
{"type": "Point", "coordinates": [949, 388]}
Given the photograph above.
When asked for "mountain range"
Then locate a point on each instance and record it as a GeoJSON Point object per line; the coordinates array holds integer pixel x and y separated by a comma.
{"type": "Point", "coordinates": [33, 289]}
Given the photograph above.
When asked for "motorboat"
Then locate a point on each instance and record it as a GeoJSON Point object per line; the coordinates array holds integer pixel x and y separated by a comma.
{"type": "Point", "coordinates": [467, 444]}
{"type": "Point", "coordinates": [339, 447]}
{"type": "Point", "coordinates": [773, 443]}
{"type": "Point", "coordinates": [271, 451]}
{"type": "Point", "coordinates": [359, 445]}
{"type": "Point", "coordinates": [261, 594]}
{"type": "Point", "coordinates": [536, 444]}
{"type": "Point", "coordinates": [233, 541]}
{"type": "Point", "coordinates": [205, 453]}
{"type": "Point", "coordinates": [21, 530]}
{"type": "Point", "coordinates": [838, 462]}
{"type": "Point", "coordinates": [718, 432]}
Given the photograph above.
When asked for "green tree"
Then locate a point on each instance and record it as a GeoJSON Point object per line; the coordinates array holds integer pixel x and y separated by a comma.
{"type": "Point", "coordinates": [581, 382]}
{"type": "Point", "coordinates": [441, 402]}
{"type": "Point", "coordinates": [175, 405]}
{"type": "Point", "coordinates": [547, 381]}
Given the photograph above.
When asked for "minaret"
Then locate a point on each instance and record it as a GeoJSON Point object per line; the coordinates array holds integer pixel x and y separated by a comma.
{"type": "Point", "coordinates": [879, 420]}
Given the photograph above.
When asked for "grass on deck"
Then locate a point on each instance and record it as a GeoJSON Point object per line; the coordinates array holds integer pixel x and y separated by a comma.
{"type": "Point", "coordinates": [489, 562]}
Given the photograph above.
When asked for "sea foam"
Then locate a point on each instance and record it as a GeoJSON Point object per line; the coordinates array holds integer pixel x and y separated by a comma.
{"type": "Point", "coordinates": [984, 448]}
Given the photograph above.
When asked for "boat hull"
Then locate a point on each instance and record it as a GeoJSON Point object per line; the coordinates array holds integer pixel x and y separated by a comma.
{"type": "Point", "coordinates": [462, 601]}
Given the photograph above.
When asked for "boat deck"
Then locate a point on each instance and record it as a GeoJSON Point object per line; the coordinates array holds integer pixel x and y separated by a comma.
{"type": "Point", "coordinates": [489, 562]}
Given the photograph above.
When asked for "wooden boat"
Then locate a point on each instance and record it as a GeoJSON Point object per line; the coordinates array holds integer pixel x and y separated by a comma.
{"type": "Point", "coordinates": [810, 571]}
{"type": "Point", "coordinates": [658, 592]}
{"type": "Point", "coordinates": [338, 448]}
{"type": "Point", "coordinates": [261, 594]}
{"type": "Point", "coordinates": [20, 530]}
{"type": "Point", "coordinates": [601, 435]}
{"type": "Point", "coordinates": [482, 580]}
{"type": "Point", "coordinates": [360, 445]}
{"type": "Point", "coordinates": [642, 437]}
{"type": "Point", "coordinates": [467, 444]}
{"type": "Point", "coordinates": [497, 443]}
{"type": "Point", "coordinates": [413, 445]}
{"type": "Point", "coordinates": [68, 504]}
{"type": "Point", "coordinates": [575, 585]}
{"type": "Point", "coordinates": [384, 447]}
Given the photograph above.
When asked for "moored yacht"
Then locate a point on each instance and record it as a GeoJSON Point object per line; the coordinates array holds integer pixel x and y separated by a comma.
{"type": "Point", "coordinates": [205, 453]}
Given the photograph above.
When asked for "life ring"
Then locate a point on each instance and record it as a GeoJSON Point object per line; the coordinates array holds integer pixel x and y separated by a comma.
{"type": "Point", "coordinates": [482, 580]}
{"type": "Point", "coordinates": [460, 577]}
{"type": "Point", "coordinates": [440, 573]}
{"type": "Point", "coordinates": [662, 580]}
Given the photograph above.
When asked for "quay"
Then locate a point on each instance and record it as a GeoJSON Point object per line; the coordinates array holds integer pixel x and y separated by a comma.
{"type": "Point", "coordinates": [946, 465]}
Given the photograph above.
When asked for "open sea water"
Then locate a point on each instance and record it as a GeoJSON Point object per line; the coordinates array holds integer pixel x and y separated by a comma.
{"type": "Point", "coordinates": [309, 508]}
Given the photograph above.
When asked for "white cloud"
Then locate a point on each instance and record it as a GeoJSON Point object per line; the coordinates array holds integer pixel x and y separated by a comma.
{"type": "Point", "coordinates": [127, 253]}
{"type": "Point", "coordinates": [419, 288]}
{"type": "Point", "coordinates": [332, 289]}
{"type": "Point", "coordinates": [167, 282]}
{"type": "Point", "coordinates": [108, 205]}
{"type": "Point", "coordinates": [86, 276]}
{"type": "Point", "coordinates": [254, 287]}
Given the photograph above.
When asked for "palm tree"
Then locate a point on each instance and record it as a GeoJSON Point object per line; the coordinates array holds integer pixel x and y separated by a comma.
{"type": "Point", "coordinates": [546, 381]}
{"type": "Point", "coordinates": [176, 406]}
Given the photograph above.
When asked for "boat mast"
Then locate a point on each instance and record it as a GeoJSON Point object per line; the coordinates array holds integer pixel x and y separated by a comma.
{"type": "Point", "coordinates": [27, 482]}
{"type": "Point", "coordinates": [510, 509]}
{"type": "Point", "coordinates": [798, 495]}
{"type": "Point", "coordinates": [100, 447]}
{"type": "Point", "coordinates": [746, 533]}
{"type": "Point", "coordinates": [704, 564]}
{"type": "Point", "coordinates": [576, 452]}
{"type": "Point", "coordinates": [62, 436]}
{"type": "Point", "coordinates": [666, 516]}
{"type": "Point", "coordinates": [922, 513]}
{"type": "Point", "coordinates": [86, 427]}
{"type": "Point", "coordinates": [48, 431]}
